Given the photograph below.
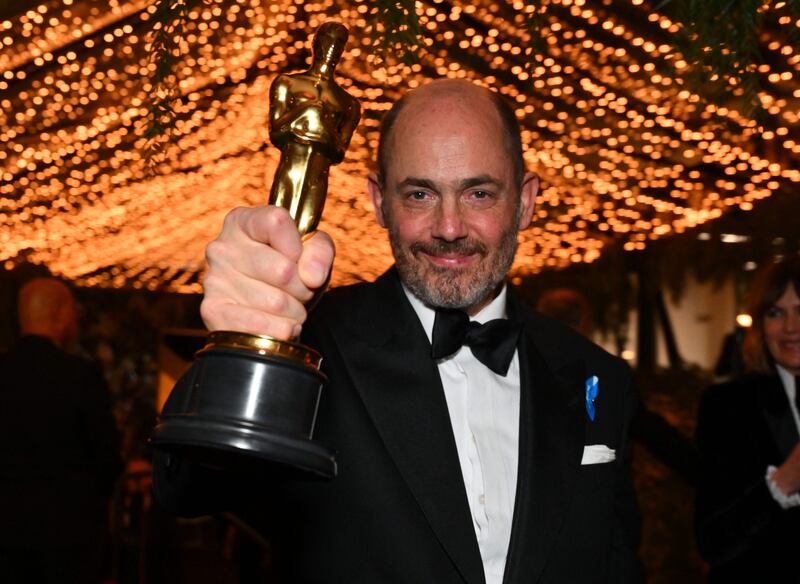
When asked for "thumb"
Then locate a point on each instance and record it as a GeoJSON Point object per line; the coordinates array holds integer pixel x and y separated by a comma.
{"type": "Point", "coordinates": [316, 260]}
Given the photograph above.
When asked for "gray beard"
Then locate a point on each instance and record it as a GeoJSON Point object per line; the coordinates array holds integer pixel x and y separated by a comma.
{"type": "Point", "coordinates": [447, 287]}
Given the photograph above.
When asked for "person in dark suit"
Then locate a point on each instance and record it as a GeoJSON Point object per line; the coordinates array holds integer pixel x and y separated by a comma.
{"type": "Point", "coordinates": [506, 460]}
{"type": "Point", "coordinates": [59, 447]}
{"type": "Point", "coordinates": [748, 497]}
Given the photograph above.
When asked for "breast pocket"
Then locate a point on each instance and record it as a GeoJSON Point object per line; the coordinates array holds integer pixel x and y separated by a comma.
{"type": "Point", "coordinates": [594, 492]}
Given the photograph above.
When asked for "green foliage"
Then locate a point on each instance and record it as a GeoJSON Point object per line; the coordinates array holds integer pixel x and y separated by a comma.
{"type": "Point", "coordinates": [718, 38]}
{"type": "Point", "coordinates": [720, 41]}
{"type": "Point", "coordinates": [395, 32]}
{"type": "Point", "coordinates": [168, 20]}
{"type": "Point", "coordinates": [536, 10]}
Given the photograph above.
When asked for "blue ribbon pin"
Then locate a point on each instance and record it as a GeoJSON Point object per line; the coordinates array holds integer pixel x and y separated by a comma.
{"type": "Point", "coordinates": [592, 386]}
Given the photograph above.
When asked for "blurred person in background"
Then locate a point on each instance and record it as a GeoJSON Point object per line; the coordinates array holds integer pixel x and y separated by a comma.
{"type": "Point", "coordinates": [59, 447]}
{"type": "Point", "coordinates": [649, 428]}
{"type": "Point", "coordinates": [568, 306]}
{"type": "Point", "coordinates": [748, 499]}
{"type": "Point", "coordinates": [730, 362]}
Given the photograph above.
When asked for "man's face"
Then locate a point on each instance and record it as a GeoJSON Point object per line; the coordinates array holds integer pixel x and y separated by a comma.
{"type": "Point", "coordinates": [450, 202]}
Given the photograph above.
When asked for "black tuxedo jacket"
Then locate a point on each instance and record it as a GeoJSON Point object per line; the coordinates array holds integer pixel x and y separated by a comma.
{"type": "Point", "coordinates": [744, 426]}
{"type": "Point", "coordinates": [59, 448]}
{"type": "Point", "coordinates": [397, 511]}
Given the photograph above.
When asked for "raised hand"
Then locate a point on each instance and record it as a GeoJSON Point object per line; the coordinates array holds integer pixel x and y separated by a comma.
{"type": "Point", "coordinates": [261, 273]}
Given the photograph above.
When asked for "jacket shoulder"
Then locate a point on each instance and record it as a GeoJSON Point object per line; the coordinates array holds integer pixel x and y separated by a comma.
{"type": "Point", "coordinates": [561, 343]}
{"type": "Point", "coordinates": [739, 388]}
{"type": "Point", "coordinates": [342, 304]}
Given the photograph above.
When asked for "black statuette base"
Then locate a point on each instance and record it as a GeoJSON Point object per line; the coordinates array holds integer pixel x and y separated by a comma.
{"type": "Point", "coordinates": [236, 408]}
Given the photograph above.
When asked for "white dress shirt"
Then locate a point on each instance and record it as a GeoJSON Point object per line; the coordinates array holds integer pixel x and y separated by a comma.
{"type": "Point", "coordinates": [784, 500]}
{"type": "Point", "coordinates": [484, 413]}
{"type": "Point", "coordinates": [789, 387]}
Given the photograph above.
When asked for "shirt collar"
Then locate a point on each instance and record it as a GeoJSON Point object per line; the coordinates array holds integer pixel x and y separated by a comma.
{"type": "Point", "coordinates": [788, 382]}
{"type": "Point", "coordinates": [495, 309]}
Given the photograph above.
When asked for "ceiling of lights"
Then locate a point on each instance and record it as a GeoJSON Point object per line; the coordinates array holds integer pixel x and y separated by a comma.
{"type": "Point", "coordinates": [626, 149]}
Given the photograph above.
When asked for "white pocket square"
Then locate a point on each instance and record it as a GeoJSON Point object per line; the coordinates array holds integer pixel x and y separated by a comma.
{"type": "Point", "coordinates": [597, 454]}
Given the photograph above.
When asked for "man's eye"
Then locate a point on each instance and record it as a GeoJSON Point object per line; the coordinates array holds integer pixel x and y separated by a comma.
{"type": "Point", "coordinates": [418, 195]}
{"type": "Point", "coordinates": [480, 197]}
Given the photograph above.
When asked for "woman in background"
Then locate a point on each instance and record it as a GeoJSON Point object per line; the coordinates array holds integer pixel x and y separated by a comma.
{"type": "Point", "coordinates": [748, 496]}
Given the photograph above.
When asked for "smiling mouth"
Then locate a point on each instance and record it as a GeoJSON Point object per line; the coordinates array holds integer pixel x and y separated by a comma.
{"type": "Point", "coordinates": [450, 260]}
{"type": "Point", "coordinates": [450, 254]}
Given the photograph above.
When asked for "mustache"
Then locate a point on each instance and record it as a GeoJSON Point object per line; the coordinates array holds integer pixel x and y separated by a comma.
{"type": "Point", "coordinates": [439, 247]}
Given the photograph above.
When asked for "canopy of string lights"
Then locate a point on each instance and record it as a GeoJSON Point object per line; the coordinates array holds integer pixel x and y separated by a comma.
{"type": "Point", "coordinates": [628, 151]}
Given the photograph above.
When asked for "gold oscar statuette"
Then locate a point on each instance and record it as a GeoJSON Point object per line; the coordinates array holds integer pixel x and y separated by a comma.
{"type": "Point", "coordinates": [251, 397]}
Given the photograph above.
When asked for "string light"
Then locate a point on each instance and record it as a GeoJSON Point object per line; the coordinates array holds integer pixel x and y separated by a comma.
{"type": "Point", "coordinates": [626, 151]}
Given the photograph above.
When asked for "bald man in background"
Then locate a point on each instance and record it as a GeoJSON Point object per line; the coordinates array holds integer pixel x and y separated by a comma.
{"type": "Point", "coordinates": [59, 447]}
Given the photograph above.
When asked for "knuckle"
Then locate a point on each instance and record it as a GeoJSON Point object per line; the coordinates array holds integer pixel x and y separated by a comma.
{"type": "Point", "coordinates": [277, 218]}
{"type": "Point", "coordinates": [276, 304]}
{"type": "Point", "coordinates": [221, 255]}
{"type": "Point", "coordinates": [214, 251]}
{"type": "Point", "coordinates": [283, 271]}
{"type": "Point", "coordinates": [233, 217]}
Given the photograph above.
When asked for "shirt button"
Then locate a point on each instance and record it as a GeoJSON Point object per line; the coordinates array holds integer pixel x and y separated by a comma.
{"type": "Point", "coordinates": [482, 499]}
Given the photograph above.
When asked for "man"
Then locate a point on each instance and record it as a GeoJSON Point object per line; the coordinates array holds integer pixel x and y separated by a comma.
{"type": "Point", "coordinates": [450, 470]}
{"type": "Point", "coordinates": [59, 447]}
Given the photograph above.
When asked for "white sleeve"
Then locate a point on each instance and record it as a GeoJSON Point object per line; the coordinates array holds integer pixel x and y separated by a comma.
{"type": "Point", "coordinates": [785, 501]}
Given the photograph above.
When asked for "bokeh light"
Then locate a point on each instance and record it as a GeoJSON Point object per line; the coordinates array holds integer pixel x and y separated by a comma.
{"type": "Point", "coordinates": [625, 149]}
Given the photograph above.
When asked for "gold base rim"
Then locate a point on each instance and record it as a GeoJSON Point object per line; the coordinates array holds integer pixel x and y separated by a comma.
{"type": "Point", "coordinates": [264, 345]}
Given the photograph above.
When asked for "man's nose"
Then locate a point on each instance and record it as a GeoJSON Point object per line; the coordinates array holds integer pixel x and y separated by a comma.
{"type": "Point", "coordinates": [448, 223]}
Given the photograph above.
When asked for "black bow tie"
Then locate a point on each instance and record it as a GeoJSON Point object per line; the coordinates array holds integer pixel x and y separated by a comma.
{"type": "Point", "coordinates": [493, 343]}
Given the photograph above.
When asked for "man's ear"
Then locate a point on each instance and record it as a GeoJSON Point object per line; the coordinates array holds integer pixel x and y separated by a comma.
{"type": "Point", "coordinates": [376, 195]}
{"type": "Point", "coordinates": [528, 192]}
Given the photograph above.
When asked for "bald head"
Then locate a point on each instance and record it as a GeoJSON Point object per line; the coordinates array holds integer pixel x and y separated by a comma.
{"type": "Point", "coordinates": [455, 93]}
{"type": "Point", "coordinates": [47, 308]}
{"type": "Point", "coordinates": [448, 89]}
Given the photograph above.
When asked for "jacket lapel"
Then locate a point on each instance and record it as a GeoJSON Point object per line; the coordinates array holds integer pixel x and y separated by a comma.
{"type": "Point", "coordinates": [552, 430]}
{"type": "Point", "coordinates": [388, 356]}
{"type": "Point", "coordinates": [778, 414]}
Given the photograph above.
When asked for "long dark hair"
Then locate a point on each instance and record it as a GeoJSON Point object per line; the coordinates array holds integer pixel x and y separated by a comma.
{"type": "Point", "coordinates": [769, 285]}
